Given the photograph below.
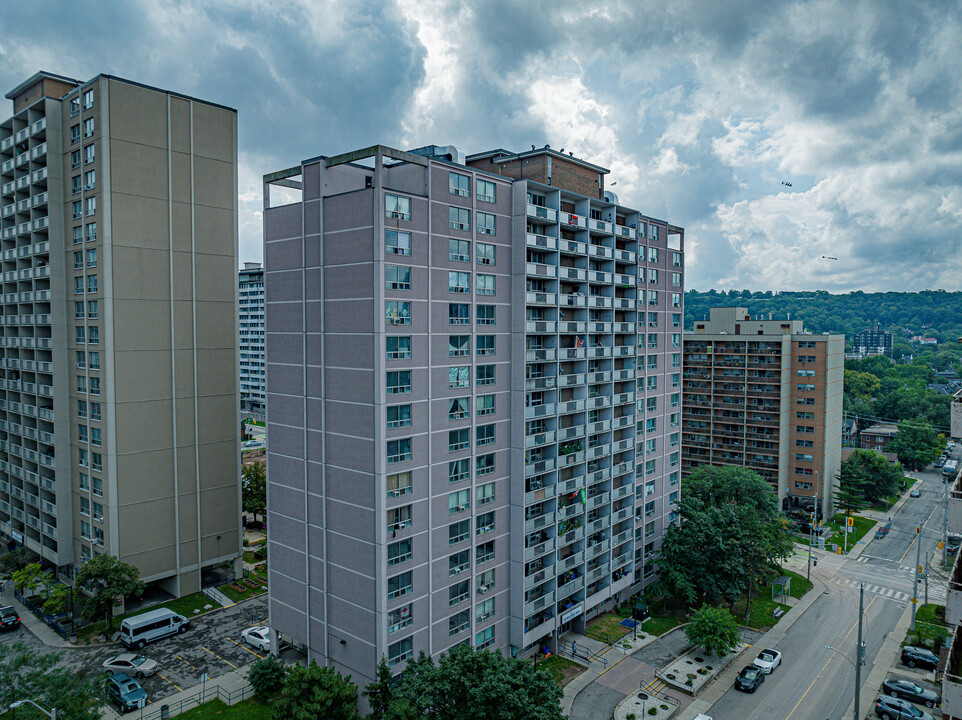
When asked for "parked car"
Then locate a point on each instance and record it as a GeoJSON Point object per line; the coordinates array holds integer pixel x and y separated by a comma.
{"type": "Point", "coordinates": [258, 636]}
{"type": "Point", "coordinates": [919, 657]}
{"type": "Point", "coordinates": [9, 618]}
{"type": "Point", "coordinates": [749, 679]}
{"type": "Point", "coordinates": [952, 546]}
{"type": "Point", "coordinates": [908, 690]}
{"type": "Point", "coordinates": [125, 692]}
{"type": "Point", "coordinates": [890, 708]}
{"type": "Point", "coordinates": [915, 493]}
{"type": "Point", "coordinates": [134, 665]}
{"type": "Point", "coordinates": [768, 660]}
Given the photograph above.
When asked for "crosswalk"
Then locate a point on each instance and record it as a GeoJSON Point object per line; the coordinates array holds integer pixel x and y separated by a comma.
{"type": "Point", "coordinates": [936, 593]}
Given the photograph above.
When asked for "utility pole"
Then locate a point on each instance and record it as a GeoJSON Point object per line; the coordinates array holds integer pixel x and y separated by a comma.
{"type": "Point", "coordinates": [816, 522]}
{"type": "Point", "coordinates": [858, 650]}
{"type": "Point", "coordinates": [945, 526]}
{"type": "Point", "coordinates": [918, 561]}
{"type": "Point", "coordinates": [925, 576]}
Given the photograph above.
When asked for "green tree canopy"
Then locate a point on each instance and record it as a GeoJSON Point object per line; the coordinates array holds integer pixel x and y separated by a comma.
{"type": "Point", "coordinates": [108, 579]}
{"type": "Point", "coordinates": [879, 478]}
{"type": "Point", "coordinates": [25, 673]}
{"type": "Point", "coordinates": [849, 491]}
{"type": "Point", "coordinates": [714, 629]}
{"type": "Point", "coordinates": [917, 443]}
{"type": "Point", "coordinates": [254, 488]}
{"type": "Point", "coordinates": [315, 692]}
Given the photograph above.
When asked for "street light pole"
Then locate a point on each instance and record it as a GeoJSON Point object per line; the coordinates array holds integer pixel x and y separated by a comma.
{"type": "Point", "coordinates": [918, 564]}
{"type": "Point", "coordinates": [945, 526]}
{"type": "Point", "coordinates": [815, 522]}
{"type": "Point", "coordinates": [858, 650]}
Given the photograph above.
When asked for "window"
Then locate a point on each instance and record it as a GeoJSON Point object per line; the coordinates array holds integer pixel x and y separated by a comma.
{"type": "Point", "coordinates": [485, 314]}
{"type": "Point", "coordinates": [397, 243]}
{"type": "Point", "coordinates": [484, 638]}
{"type": "Point", "coordinates": [96, 461]}
{"type": "Point", "coordinates": [75, 133]}
{"type": "Point", "coordinates": [459, 623]}
{"type": "Point", "coordinates": [459, 439]}
{"type": "Point", "coordinates": [458, 314]}
{"type": "Point", "coordinates": [81, 408]}
{"type": "Point", "coordinates": [803, 471]}
{"type": "Point", "coordinates": [808, 429]}
{"type": "Point", "coordinates": [485, 345]}
{"type": "Point", "coordinates": [95, 411]}
{"type": "Point", "coordinates": [83, 458]}
{"type": "Point", "coordinates": [650, 446]}
{"type": "Point", "coordinates": [805, 387]}
{"type": "Point", "coordinates": [398, 484]}
{"type": "Point", "coordinates": [80, 334]}
{"type": "Point", "coordinates": [398, 416]}
{"type": "Point", "coordinates": [675, 399]}
{"type": "Point", "coordinates": [486, 225]}
{"type": "Point", "coordinates": [673, 420]}
{"type": "Point", "coordinates": [459, 282]}
{"type": "Point", "coordinates": [74, 159]}
{"type": "Point", "coordinates": [653, 235]}
{"type": "Point", "coordinates": [485, 284]}
{"type": "Point", "coordinates": [459, 562]}
{"type": "Point", "coordinates": [484, 523]}
{"type": "Point", "coordinates": [397, 277]}
{"type": "Point", "coordinates": [485, 610]}
{"type": "Point", "coordinates": [805, 373]}
{"type": "Point", "coordinates": [91, 232]}
{"type": "Point", "coordinates": [397, 312]}
{"type": "Point", "coordinates": [84, 481]}
{"type": "Point", "coordinates": [398, 347]}
{"type": "Point", "coordinates": [459, 377]}
{"type": "Point", "coordinates": [484, 435]}
{"type": "Point", "coordinates": [459, 532]}
{"type": "Point", "coordinates": [676, 380]}
{"type": "Point", "coordinates": [804, 443]}
{"type": "Point", "coordinates": [805, 415]}
{"type": "Point", "coordinates": [81, 384]}
{"type": "Point", "coordinates": [398, 518]}
{"type": "Point", "coordinates": [77, 209]}
{"type": "Point", "coordinates": [486, 191]}
{"type": "Point", "coordinates": [676, 259]}
{"type": "Point", "coordinates": [653, 276]}
{"type": "Point", "coordinates": [459, 470]}
{"type": "Point", "coordinates": [92, 309]}
{"type": "Point", "coordinates": [459, 345]}
{"type": "Point", "coordinates": [652, 362]}
{"type": "Point", "coordinates": [484, 465]}
{"type": "Point", "coordinates": [459, 250]}
{"type": "Point", "coordinates": [88, 127]}
{"type": "Point", "coordinates": [90, 180]}
{"type": "Point", "coordinates": [676, 300]}
{"type": "Point", "coordinates": [652, 297]}
{"type": "Point", "coordinates": [804, 457]}
{"type": "Point", "coordinates": [78, 260]}
{"type": "Point", "coordinates": [397, 207]}
{"type": "Point", "coordinates": [459, 184]}
{"type": "Point", "coordinates": [74, 107]}
{"type": "Point", "coordinates": [91, 204]}
{"type": "Point", "coordinates": [651, 382]}
{"type": "Point", "coordinates": [458, 409]}
{"type": "Point", "coordinates": [651, 404]}
{"type": "Point", "coordinates": [98, 487]}
{"type": "Point", "coordinates": [484, 405]}
{"type": "Point", "coordinates": [485, 375]}
{"type": "Point", "coordinates": [85, 529]}
{"type": "Point", "coordinates": [673, 439]}
{"type": "Point", "coordinates": [92, 258]}
{"type": "Point", "coordinates": [75, 185]}
{"type": "Point", "coordinates": [90, 153]}
{"type": "Point", "coordinates": [82, 433]}
{"type": "Point", "coordinates": [88, 99]}
{"type": "Point", "coordinates": [400, 618]}
{"type": "Point", "coordinates": [486, 252]}
{"type": "Point", "coordinates": [459, 592]}
{"type": "Point", "coordinates": [485, 581]}
{"type": "Point", "coordinates": [676, 340]}
{"type": "Point", "coordinates": [484, 494]}
{"type": "Point", "coordinates": [459, 501]}
{"type": "Point", "coordinates": [399, 450]}
{"type": "Point", "coordinates": [94, 358]}
{"type": "Point", "coordinates": [652, 340]}
{"type": "Point", "coordinates": [399, 651]}
{"type": "Point", "coordinates": [95, 436]}
{"type": "Point", "coordinates": [398, 381]}
{"type": "Point", "coordinates": [459, 218]}
{"type": "Point", "coordinates": [651, 425]}
{"type": "Point", "coordinates": [78, 234]}
{"type": "Point", "coordinates": [805, 401]}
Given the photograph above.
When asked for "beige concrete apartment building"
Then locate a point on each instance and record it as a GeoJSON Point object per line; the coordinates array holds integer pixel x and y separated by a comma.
{"type": "Point", "coordinates": [119, 408]}
{"type": "Point", "coordinates": [766, 395]}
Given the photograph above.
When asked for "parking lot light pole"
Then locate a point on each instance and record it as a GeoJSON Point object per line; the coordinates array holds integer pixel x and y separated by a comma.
{"type": "Point", "coordinates": [52, 713]}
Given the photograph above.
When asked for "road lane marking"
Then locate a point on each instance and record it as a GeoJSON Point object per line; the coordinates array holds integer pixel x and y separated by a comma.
{"type": "Point", "coordinates": [246, 648]}
{"type": "Point", "coordinates": [220, 658]}
{"type": "Point", "coordinates": [170, 681]}
{"type": "Point", "coordinates": [831, 657]}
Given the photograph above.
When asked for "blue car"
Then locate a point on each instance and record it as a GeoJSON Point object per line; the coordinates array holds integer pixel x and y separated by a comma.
{"type": "Point", "coordinates": [125, 692]}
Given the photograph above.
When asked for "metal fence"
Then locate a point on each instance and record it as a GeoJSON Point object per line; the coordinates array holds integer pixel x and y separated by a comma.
{"type": "Point", "coordinates": [52, 620]}
{"type": "Point", "coordinates": [163, 709]}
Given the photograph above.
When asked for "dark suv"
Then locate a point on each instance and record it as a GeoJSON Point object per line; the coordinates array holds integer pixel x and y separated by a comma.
{"type": "Point", "coordinates": [9, 618]}
{"type": "Point", "coordinates": [126, 692]}
{"type": "Point", "coordinates": [890, 708]}
{"type": "Point", "coordinates": [919, 657]}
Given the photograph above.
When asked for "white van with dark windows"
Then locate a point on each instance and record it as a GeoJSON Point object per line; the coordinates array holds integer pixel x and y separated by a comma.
{"type": "Point", "coordinates": [137, 631]}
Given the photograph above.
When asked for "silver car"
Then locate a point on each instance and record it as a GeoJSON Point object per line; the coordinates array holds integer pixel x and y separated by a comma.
{"type": "Point", "coordinates": [136, 666]}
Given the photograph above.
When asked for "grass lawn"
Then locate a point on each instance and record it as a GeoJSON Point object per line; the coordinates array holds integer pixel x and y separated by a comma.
{"type": "Point", "coordinates": [252, 709]}
{"type": "Point", "coordinates": [862, 526]}
{"type": "Point", "coordinates": [800, 585]}
{"type": "Point", "coordinates": [606, 627]}
{"type": "Point", "coordinates": [183, 606]}
{"type": "Point", "coordinates": [932, 614]}
{"type": "Point", "coordinates": [931, 630]}
{"type": "Point", "coordinates": [562, 670]}
{"type": "Point", "coordinates": [659, 624]}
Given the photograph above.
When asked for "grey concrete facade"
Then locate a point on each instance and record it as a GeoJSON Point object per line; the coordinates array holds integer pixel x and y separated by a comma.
{"type": "Point", "coordinates": [120, 418]}
{"type": "Point", "coordinates": [460, 374]}
{"type": "Point", "coordinates": [253, 376]}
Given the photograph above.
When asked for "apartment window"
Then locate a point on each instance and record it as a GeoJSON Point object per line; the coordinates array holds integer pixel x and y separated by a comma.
{"type": "Point", "coordinates": [805, 443]}
{"type": "Point", "coordinates": [676, 380]}
{"type": "Point", "coordinates": [459, 250]}
{"type": "Point", "coordinates": [399, 450]}
{"type": "Point", "coordinates": [398, 416]}
{"type": "Point", "coordinates": [459, 623]}
{"type": "Point", "coordinates": [805, 401]}
{"type": "Point", "coordinates": [96, 461]}
{"type": "Point", "coordinates": [674, 419]}
{"type": "Point", "coordinates": [95, 386]}
{"type": "Point", "coordinates": [400, 618]}
{"type": "Point", "coordinates": [459, 501]}
{"type": "Point", "coordinates": [94, 358]}
{"type": "Point", "coordinates": [805, 373]}
{"type": "Point", "coordinates": [673, 439]}
{"type": "Point", "coordinates": [82, 433]}
{"type": "Point", "coordinates": [397, 207]}
{"type": "Point", "coordinates": [95, 411]}
{"type": "Point", "coordinates": [397, 312]}
{"type": "Point", "coordinates": [93, 309]}
{"type": "Point", "coordinates": [650, 446]}
{"type": "Point", "coordinates": [652, 341]}
{"type": "Point", "coordinates": [459, 377]}
{"type": "Point", "coordinates": [651, 382]}
{"type": "Point", "coordinates": [398, 518]}
{"type": "Point", "coordinates": [74, 107]}
{"type": "Point", "coordinates": [84, 481]}
{"type": "Point", "coordinates": [485, 284]}
{"type": "Point", "coordinates": [805, 415]}
{"type": "Point", "coordinates": [803, 485]}
{"type": "Point", "coordinates": [78, 234]}
{"type": "Point", "coordinates": [676, 340]}
{"type": "Point", "coordinates": [458, 409]}
{"type": "Point", "coordinates": [484, 375]}
{"type": "Point", "coordinates": [805, 429]}
{"type": "Point", "coordinates": [675, 399]}
{"type": "Point", "coordinates": [676, 320]}
{"type": "Point", "coordinates": [485, 610]}
{"type": "Point", "coordinates": [80, 334]}
{"type": "Point", "coordinates": [486, 191]}
{"type": "Point", "coordinates": [803, 471]}
{"type": "Point", "coordinates": [484, 435]}
{"type": "Point", "coordinates": [83, 458]}
{"type": "Point", "coordinates": [78, 309]}
{"type": "Point", "coordinates": [398, 381]}
{"type": "Point", "coordinates": [484, 405]}
{"type": "Point", "coordinates": [91, 205]}
{"type": "Point", "coordinates": [804, 457]}
{"type": "Point", "coordinates": [81, 408]}
{"type": "Point", "coordinates": [85, 529]}
{"type": "Point", "coordinates": [807, 344]}
{"type": "Point", "coordinates": [459, 184]}
{"type": "Point", "coordinates": [652, 251]}
{"type": "Point", "coordinates": [485, 314]}
{"type": "Point", "coordinates": [459, 439]}
{"type": "Point", "coordinates": [398, 484]}
{"type": "Point", "coordinates": [676, 300]}
{"type": "Point", "coordinates": [459, 562]}
{"type": "Point", "coordinates": [398, 347]}
{"type": "Point", "coordinates": [651, 404]}
{"type": "Point", "coordinates": [459, 218]}
{"type": "Point", "coordinates": [459, 470]}
{"type": "Point", "coordinates": [676, 259]}
{"type": "Point", "coordinates": [651, 425]}
{"type": "Point", "coordinates": [653, 276]}
{"type": "Point", "coordinates": [484, 494]}
{"type": "Point", "coordinates": [486, 225]}
{"type": "Point", "coordinates": [78, 211]}
{"type": "Point", "coordinates": [484, 465]}
{"type": "Point", "coordinates": [805, 387]}
{"type": "Point", "coordinates": [459, 532]}
{"type": "Point", "coordinates": [74, 159]}
{"type": "Point", "coordinates": [653, 235]}
{"type": "Point", "coordinates": [484, 639]}
{"type": "Point", "coordinates": [486, 252]}
{"type": "Point", "coordinates": [397, 277]}
{"type": "Point", "coordinates": [98, 487]}
{"type": "Point", "coordinates": [90, 153]}
{"type": "Point", "coordinates": [652, 362]}
{"type": "Point", "coordinates": [90, 180]}
{"type": "Point", "coordinates": [397, 243]}
{"type": "Point", "coordinates": [485, 581]}
{"type": "Point", "coordinates": [75, 133]}
{"type": "Point", "coordinates": [88, 99]}
{"type": "Point", "coordinates": [459, 345]}
{"type": "Point", "coordinates": [459, 282]}
{"type": "Point", "coordinates": [485, 345]}
{"type": "Point", "coordinates": [458, 314]}
{"type": "Point", "coordinates": [81, 384]}
{"type": "Point", "coordinates": [458, 592]}
{"type": "Point", "coordinates": [78, 260]}
{"type": "Point", "coordinates": [399, 651]}
{"type": "Point", "coordinates": [484, 523]}
{"type": "Point", "coordinates": [92, 258]}
{"type": "Point", "coordinates": [75, 185]}
{"type": "Point", "coordinates": [91, 232]}
{"type": "Point", "coordinates": [95, 436]}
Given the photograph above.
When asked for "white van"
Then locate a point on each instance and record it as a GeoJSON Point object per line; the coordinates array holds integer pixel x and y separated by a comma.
{"type": "Point", "coordinates": [153, 625]}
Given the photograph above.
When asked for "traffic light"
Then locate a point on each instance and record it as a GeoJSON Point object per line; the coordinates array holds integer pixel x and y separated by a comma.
{"type": "Point", "coordinates": [921, 571]}
{"type": "Point", "coordinates": [850, 521]}
{"type": "Point", "coordinates": [916, 529]}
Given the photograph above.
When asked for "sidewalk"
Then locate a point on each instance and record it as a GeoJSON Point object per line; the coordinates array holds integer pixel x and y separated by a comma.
{"type": "Point", "coordinates": [31, 622]}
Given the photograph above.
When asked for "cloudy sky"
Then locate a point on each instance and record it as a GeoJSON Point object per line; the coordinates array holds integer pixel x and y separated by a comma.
{"type": "Point", "coordinates": [700, 108]}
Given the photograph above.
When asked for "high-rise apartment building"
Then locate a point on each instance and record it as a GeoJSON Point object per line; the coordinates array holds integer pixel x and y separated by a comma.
{"type": "Point", "coordinates": [474, 393]}
{"type": "Point", "coordinates": [251, 318]}
{"type": "Point", "coordinates": [872, 341]}
{"type": "Point", "coordinates": [766, 395]}
{"type": "Point", "coordinates": [118, 407]}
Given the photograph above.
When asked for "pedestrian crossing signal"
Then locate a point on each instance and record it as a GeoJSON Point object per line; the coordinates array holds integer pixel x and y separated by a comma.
{"type": "Point", "coordinates": [850, 521]}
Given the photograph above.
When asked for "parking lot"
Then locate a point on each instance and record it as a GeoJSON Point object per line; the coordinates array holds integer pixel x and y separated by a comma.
{"type": "Point", "coordinates": [212, 645]}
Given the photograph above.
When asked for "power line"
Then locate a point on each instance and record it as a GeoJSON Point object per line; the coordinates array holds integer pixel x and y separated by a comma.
{"type": "Point", "coordinates": [908, 423]}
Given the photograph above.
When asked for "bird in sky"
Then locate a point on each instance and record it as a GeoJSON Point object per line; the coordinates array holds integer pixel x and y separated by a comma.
{"type": "Point", "coordinates": [828, 257]}
{"type": "Point", "coordinates": [786, 183]}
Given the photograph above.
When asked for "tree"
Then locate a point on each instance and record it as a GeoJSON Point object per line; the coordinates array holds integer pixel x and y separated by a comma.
{"type": "Point", "coordinates": [107, 578]}
{"type": "Point", "coordinates": [471, 684]}
{"type": "Point", "coordinates": [254, 488]}
{"type": "Point", "coordinates": [25, 673]}
{"type": "Point", "coordinates": [714, 629]}
{"type": "Point", "coordinates": [380, 694]}
{"type": "Point", "coordinates": [880, 478]}
{"type": "Point", "coordinates": [917, 443]}
{"type": "Point", "coordinates": [849, 492]}
{"type": "Point", "coordinates": [267, 675]}
{"type": "Point", "coordinates": [316, 692]}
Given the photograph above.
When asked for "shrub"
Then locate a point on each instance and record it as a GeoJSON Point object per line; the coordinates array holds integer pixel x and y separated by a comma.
{"type": "Point", "coordinates": [267, 675]}
{"type": "Point", "coordinates": [652, 711]}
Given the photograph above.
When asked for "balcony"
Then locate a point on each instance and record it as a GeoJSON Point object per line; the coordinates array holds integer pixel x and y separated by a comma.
{"type": "Point", "coordinates": [541, 242]}
{"type": "Point", "coordinates": [955, 507]}
{"type": "Point", "coordinates": [596, 549]}
{"type": "Point", "coordinates": [569, 459]}
{"type": "Point", "coordinates": [626, 256]}
{"type": "Point", "coordinates": [624, 280]}
{"type": "Point", "coordinates": [600, 251]}
{"type": "Point", "coordinates": [542, 602]}
{"type": "Point", "coordinates": [540, 326]}
{"type": "Point", "coordinates": [598, 301]}
{"type": "Point", "coordinates": [571, 380]}
{"type": "Point", "coordinates": [574, 353]}
{"type": "Point", "coordinates": [598, 451]}
{"type": "Point", "coordinates": [572, 431]}
{"type": "Point", "coordinates": [624, 398]}
{"type": "Point", "coordinates": [536, 551]}
{"type": "Point", "coordinates": [953, 603]}
{"type": "Point", "coordinates": [539, 270]}
{"type": "Point", "coordinates": [544, 214]}
{"type": "Point", "coordinates": [622, 468]}
{"type": "Point", "coordinates": [540, 355]}
{"type": "Point", "coordinates": [540, 298]}
{"type": "Point", "coordinates": [600, 277]}
{"type": "Point", "coordinates": [599, 427]}
{"type": "Point", "coordinates": [539, 467]}
{"type": "Point", "coordinates": [601, 401]}
{"type": "Point", "coordinates": [569, 486]}
{"type": "Point", "coordinates": [568, 511]}
{"type": "Point", "coordinates": [601, 328]}
{"type": "Point", "coordinates": [574, 222]}
{"type": "Point", "coordinates": [623, 491]}
{"type": "Point", "coordinates": [572, 247]}
{"type": "Point", "coordinates": [540, 383]}
{"type": "Point", "coordinates": [572, 273]}
{"type": "Point", "coordinates": [572, 327]}
{"type": "Point", "coordinates": [539, 522]}
{"type": "Point", "coordinates": [598, 500]}
{"type": "Point", "coordinates": [573, 560]}
{"type": "Point", "coordinates": [576, 300]}
{"type": "Point", "coordinates": [539, 577]}
{"type": "Point", "coordinates": [599, 351]}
